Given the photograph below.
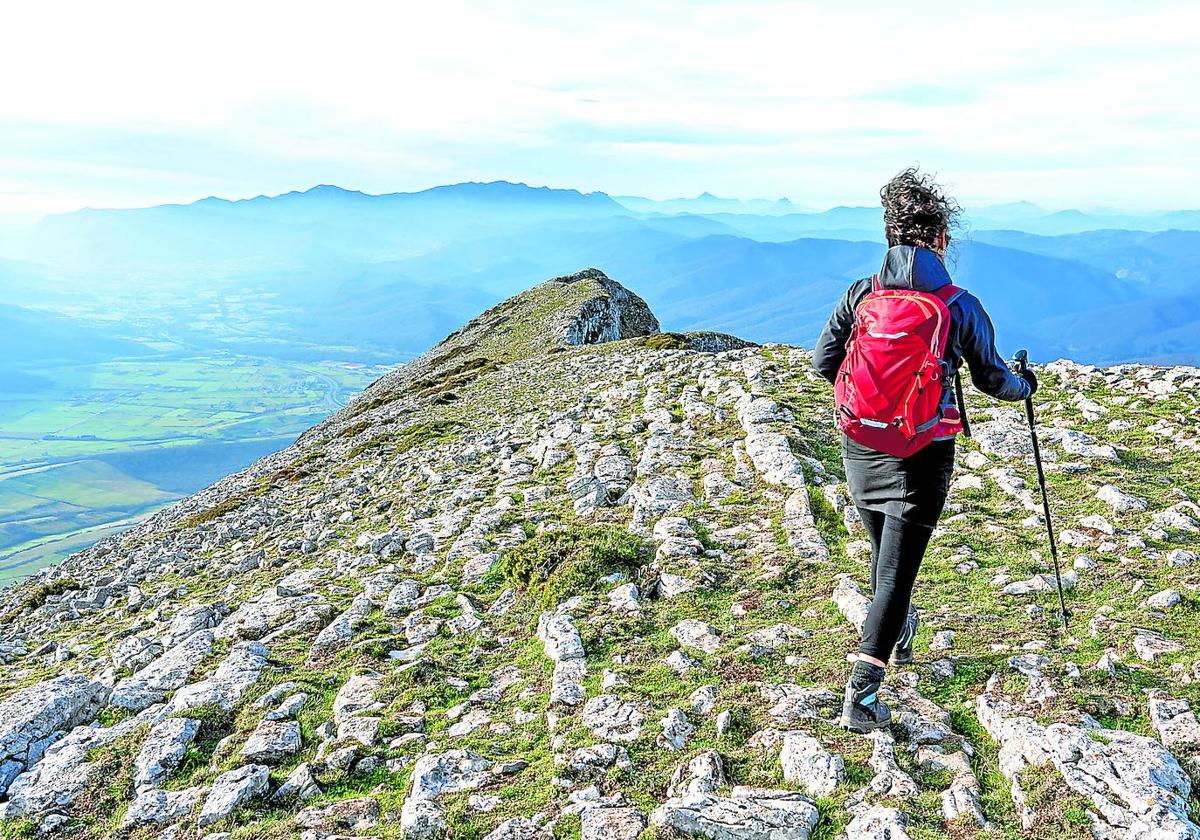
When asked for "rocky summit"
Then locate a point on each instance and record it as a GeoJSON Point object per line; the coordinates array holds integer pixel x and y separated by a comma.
{"type": "Point", "coordinates": [569, 576]}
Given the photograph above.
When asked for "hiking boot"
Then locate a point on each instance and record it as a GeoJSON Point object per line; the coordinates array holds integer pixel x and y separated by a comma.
{"type": "Point", "coordinates": [902, 653]}
{"type": "Point", "coordinates": [862, 710]}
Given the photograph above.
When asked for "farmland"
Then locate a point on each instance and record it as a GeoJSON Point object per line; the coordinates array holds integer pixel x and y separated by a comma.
{"type": "Point", "coordinates": [86, 449]}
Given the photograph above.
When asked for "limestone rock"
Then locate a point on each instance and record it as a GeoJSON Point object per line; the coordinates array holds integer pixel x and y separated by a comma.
{"type": "Point", "coordinates": [32, 717]}
{"type": "Point", "coordinates": [807, 764]}
{"type": "Point", "coordinates": [272, 742]}
{"type": "Point", "coordinates": [165, 674]}
{"type": "Point", "coordinates": [456, 771]}
{"type": "Point", "coordinates": [231, 790]}
{"type": "Point", "coordinates": [1137, 787]}
{"type": "Point", "coordinates": [613, 719]}
{"type": "Point", "coordinates": [1120, 501]}
{"type": "Point", "coordinates": [697, 634]}
{"type": "Point", "coordinates": [747, 814]}
{"type": "Point", "coordinates": [623, 823]}
{"type": "Point", "coordinates": [152, 806]}
{"type": "Point", "coordinates": [162, 750]}
{"type": "Point", "coordinates": [559, 637]}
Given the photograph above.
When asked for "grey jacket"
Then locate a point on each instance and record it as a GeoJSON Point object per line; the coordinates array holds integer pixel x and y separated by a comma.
{"type": "Point", "coordinates": [972, 337]}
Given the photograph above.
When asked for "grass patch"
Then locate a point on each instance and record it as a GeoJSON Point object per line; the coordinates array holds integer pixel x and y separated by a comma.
{"type": "Point", "coordinates": [215, 512]}
{"type": "Point", "coordinates": [429, 432]}
{"type": "Point", "coordinates": [666, 341]}
{"type": "Point", "coordinates": [570, 561]}
{"type": "Point", "coordinates": [42, 593]}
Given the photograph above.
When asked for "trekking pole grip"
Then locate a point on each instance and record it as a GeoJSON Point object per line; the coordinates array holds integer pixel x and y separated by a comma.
{"type": "Point", "coordinates": [1021, 357]}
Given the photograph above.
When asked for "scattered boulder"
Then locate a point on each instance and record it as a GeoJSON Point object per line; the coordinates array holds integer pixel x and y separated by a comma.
{"type": "Point", "coordinates": [162, 751]}
{"type": "Point", "coordinates": [807, 764]}
{"type": "Point", "coordinates": [747, 814]}
{"type": "Point", "coordinates": [272, 742]}
{"type": "Point", "coordinates": [31, 718]}
{"type": "Point", "coordinates": [231, 790]}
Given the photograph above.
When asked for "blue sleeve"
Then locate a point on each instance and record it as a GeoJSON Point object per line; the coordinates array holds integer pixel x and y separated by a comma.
{"type": "Point", "coordinates": [989, 373]}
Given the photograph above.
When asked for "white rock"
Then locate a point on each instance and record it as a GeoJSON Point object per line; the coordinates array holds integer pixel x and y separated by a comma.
{"type": "Point", "coordinates": [559, 637]}
{"type": "Point", "coordinates": [612, 719]}
{"type": "Point", "coordinates": [703, 699]}
{"type": "Point", "coordinates": [876, 823]}
{"type": "Point", "coordinates": [231, 790]}
{"type": "Point", "coordinates": [747, 814]}
{"type": "Point", "coordinates": [676, 729]}
{"type": "Point", "coordinates": [1164, 600]}
{"type": "Point", "coordinates": [164, 675]}
{"type": "Point", "coordinates": [1150, 644]}
{"type": "Point", "coordinates": [1136, 786]}
{"type": "Point", "coordinates": [272, 741]}
{"type": "Point", "coordinates": [300, 784]}
{"type": "Point", "coordinates": [672, 586]}
{"type": "Point", "coordinates": [697, 634]}
{"type": "Point", "coordinates": [236, 675]}
{"type": "Point", "coordinates": [1120, 501]}
{"type": "Point", "coordinates": [680, 662]}
{"type": "Point", "coordinates": [161, 807]}
{"type": "Point", "coordinates": [623, 823]}
{"type": "Point", "coordinates": [435, 775]}
{"type": "Point", "coordinates": [1174, 721]}
{"type": "Point", "coordinates": [807, 764]}
{"type": "Point", "coordinates": [162, 751]}
{"type": "Point", "coordinates": [624, 597]}
{"type": "Point", "coordinates": [32, 717]}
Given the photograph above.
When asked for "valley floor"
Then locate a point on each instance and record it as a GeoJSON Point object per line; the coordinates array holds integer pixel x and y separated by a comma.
{"type": "Point", "coordinates": [98, 447]}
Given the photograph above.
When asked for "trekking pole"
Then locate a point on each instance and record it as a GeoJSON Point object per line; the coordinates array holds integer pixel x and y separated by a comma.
{"type": "Point", "coordinates": [1022, 359]}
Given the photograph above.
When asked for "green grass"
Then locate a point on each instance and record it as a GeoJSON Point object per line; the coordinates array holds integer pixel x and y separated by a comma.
{"type": "Point", "coordinates": [40, 594]}
{"type": "Point", "coordinates": [570, 561]}
{"type": "Point", "coordinates": [419, 434]}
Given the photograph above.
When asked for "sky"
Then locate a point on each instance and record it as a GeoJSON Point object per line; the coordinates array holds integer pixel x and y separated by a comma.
{"type": "Point", "coordinates": [121, 104]}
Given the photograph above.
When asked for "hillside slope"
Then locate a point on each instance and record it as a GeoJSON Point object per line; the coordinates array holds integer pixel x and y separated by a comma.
{"type": "Point", "coordinates": [567, 576]}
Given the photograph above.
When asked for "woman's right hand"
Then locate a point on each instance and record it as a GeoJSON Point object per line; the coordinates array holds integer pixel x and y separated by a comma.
{"type": "Point", "coordinates": [1030, 377]}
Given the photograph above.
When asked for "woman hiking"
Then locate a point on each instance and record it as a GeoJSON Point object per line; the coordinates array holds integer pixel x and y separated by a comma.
{"type": "Point", "coordinates": [892, 349]}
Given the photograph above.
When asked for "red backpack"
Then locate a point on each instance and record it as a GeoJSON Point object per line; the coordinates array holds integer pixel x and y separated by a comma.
{"type": "Point", "coordinates": [889, 387]}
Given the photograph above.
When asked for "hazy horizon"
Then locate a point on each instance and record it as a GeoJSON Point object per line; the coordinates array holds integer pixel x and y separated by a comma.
{"type": "Point", "coordinates": [799, 204]}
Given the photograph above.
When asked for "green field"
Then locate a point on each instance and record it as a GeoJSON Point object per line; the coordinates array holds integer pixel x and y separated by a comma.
{"type": "Point", "coordinates": [108, 443]}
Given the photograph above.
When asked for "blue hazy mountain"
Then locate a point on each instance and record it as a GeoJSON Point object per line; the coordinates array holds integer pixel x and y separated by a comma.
{"type": "Point", "coordinates": [325, 224]}
{"type": "Point", "coordinates": [706, 203]}
{"type": "Point", "coordinates": [385, 275]}
{"type": "Point", "coordinates": [1164, 262]}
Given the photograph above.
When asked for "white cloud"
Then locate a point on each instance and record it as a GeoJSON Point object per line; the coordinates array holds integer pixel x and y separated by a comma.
{"type": "Point", "coordinates": [135, 102]}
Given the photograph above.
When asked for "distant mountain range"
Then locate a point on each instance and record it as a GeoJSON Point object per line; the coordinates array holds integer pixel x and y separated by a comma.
{"type": "Point", "coordinates": [383, 275]}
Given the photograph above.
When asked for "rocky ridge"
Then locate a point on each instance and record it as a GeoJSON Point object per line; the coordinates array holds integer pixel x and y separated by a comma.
{"type": "Point", "coordinates": [568, 576]}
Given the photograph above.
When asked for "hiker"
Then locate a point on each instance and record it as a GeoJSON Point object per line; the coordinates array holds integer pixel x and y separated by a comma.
{"type": "Point", "coordinates": [899, 405]}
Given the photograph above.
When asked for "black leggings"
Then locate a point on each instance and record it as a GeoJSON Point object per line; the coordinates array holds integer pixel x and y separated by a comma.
{"type": "Point", "coordinates": [897, 548]}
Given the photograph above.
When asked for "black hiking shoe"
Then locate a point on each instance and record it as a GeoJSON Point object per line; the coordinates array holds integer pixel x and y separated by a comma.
{"type": "Point", "coordinates": [862, 711]}
{"type": "Point", "coordinates": [902, 653]}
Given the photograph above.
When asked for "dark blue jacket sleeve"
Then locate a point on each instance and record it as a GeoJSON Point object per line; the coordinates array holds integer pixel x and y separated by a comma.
{"type": "Point", "coordinates": [831, 346]}
{"type": "Point", "coordinates": [989, 373]}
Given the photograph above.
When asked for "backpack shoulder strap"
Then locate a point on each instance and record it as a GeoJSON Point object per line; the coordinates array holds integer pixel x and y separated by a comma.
{"type": "Point", "coordinates": [949, 293]}
{"type": "Point", "coordinates": [875, 287]}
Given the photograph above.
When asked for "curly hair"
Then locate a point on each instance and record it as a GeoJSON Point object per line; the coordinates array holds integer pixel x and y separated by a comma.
{"type": "Point", "coordinates": [916, 209]}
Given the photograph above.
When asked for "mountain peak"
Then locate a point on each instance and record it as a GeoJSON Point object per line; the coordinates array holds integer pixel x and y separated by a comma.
{"type": "Point", "coordinates": [586, 307]}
